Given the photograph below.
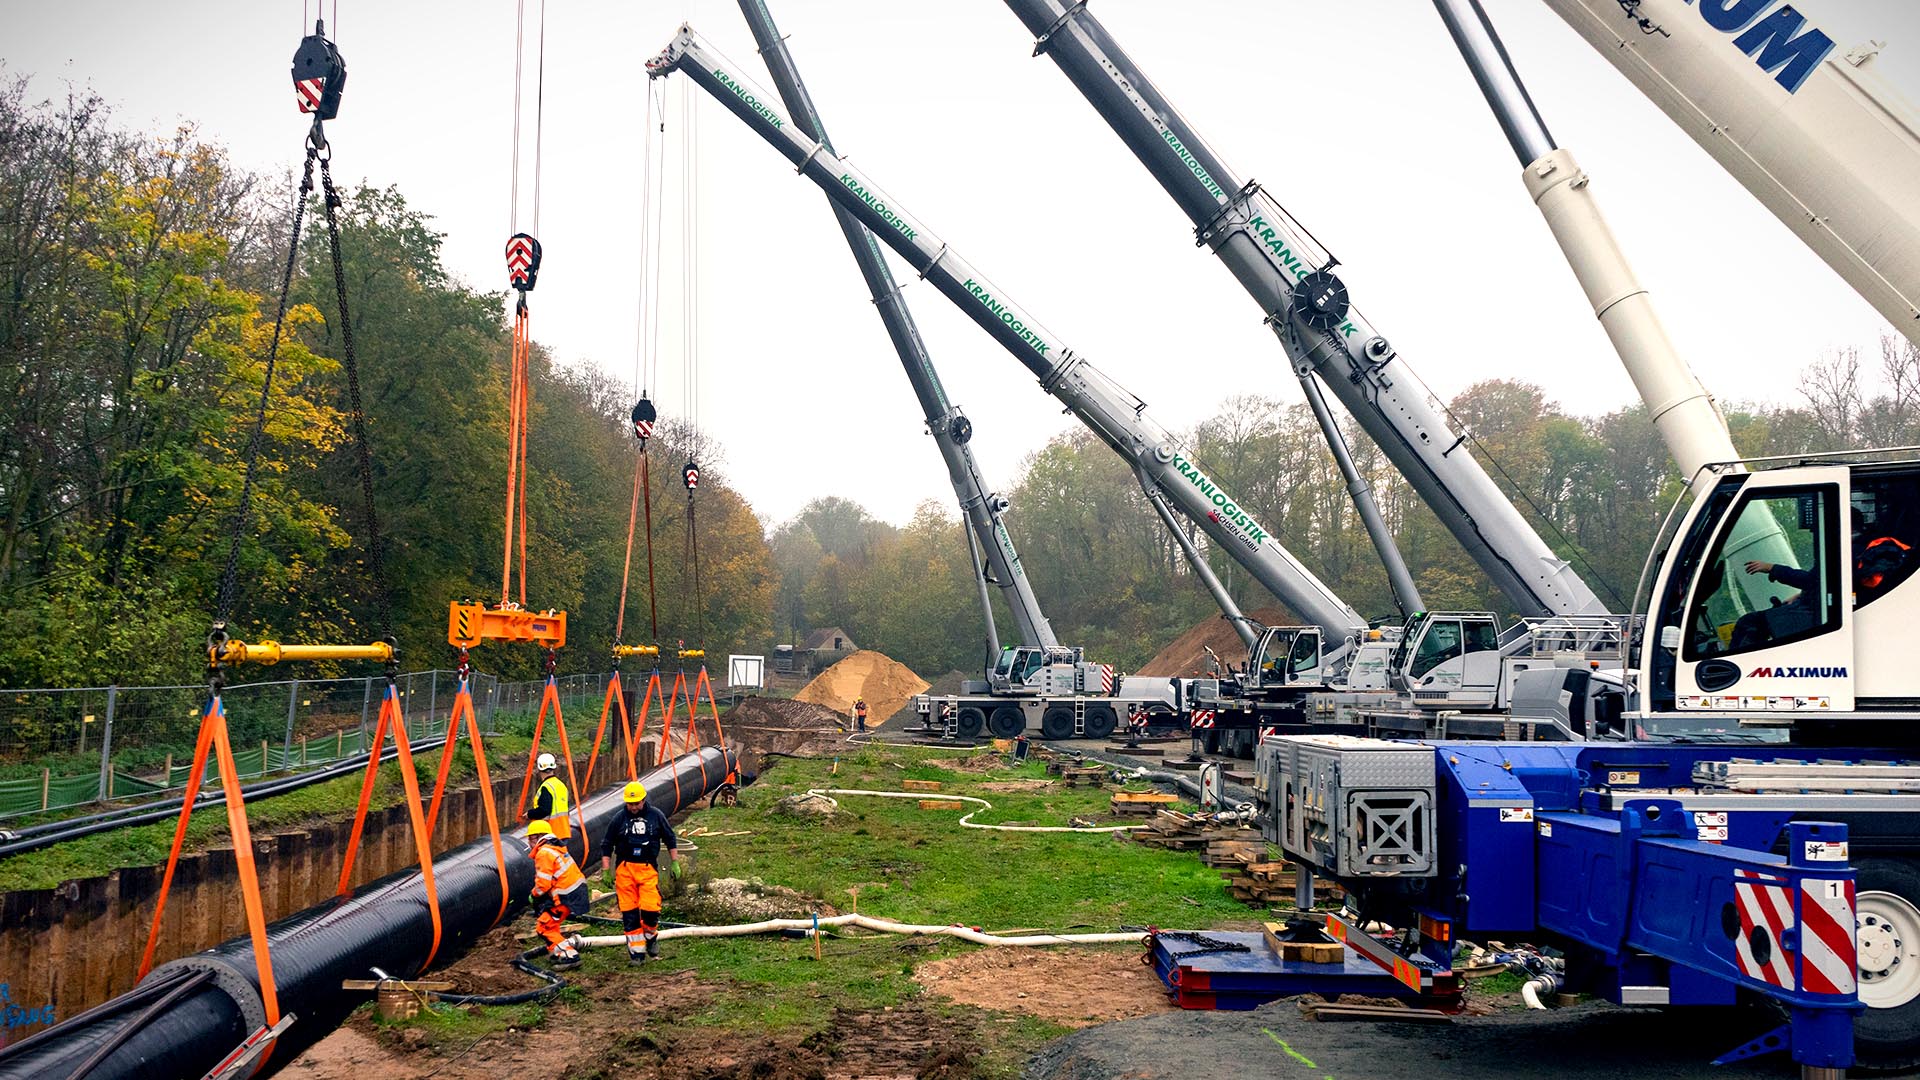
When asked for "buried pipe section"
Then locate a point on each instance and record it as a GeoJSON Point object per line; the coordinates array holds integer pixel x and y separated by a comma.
{"type": "Point", "coordinates": [385, 923]}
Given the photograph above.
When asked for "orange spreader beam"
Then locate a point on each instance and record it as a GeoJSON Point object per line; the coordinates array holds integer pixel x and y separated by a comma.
{"type": "Point", "coordinates": [469, 624]}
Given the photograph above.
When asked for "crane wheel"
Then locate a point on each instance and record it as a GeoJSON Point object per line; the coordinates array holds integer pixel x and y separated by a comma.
{"type": "Point", "coordinates": [1101, 721]}
{"type": "Point", "coordinates": [969, 722]}
{"type": "Point", "coordinates": [1886, 1036]}
{"type": "Point", "coordinates": [1007, 722]}
{"type": "Point", "coordinates": [1057, 722]}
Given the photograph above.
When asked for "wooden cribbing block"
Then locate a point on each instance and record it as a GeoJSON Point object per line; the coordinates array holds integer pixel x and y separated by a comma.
{"type": "Point", "coordinates": [1330, 952]}
{"type": "Point", "coordinates": [941, 804]}
{"type": "Point", "coordinates": [920, 785]}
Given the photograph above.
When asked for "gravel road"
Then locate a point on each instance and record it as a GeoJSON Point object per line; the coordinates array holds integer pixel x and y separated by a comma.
{"type": "Point", "coordinates": [1583, 1042]}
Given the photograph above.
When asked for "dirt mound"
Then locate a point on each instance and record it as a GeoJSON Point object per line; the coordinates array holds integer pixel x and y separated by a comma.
{"type": "Point", "coordinates": [763, 725]}
{"type": "Point", "coordinates": [1187, 654]}
{"type": "Point", "coordinates": [883, 681]}
{"type": "Point", "coordinates": [1048, 984]}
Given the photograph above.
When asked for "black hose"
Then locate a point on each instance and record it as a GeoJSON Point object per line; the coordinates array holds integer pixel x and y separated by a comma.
{"type": "Point", "coordinates": [170, 808]}
{"type": "Point", "coordinates": [523, 962]}
{"type": "Point", "coordinates": [119, 1038]}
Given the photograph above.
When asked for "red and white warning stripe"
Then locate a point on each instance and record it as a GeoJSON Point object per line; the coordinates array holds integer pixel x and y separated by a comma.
{"type": "Point", "coordinates": [519, 258]}
{"type": "Point", "coordinates": [309, 92]}
{"type": "Point", "coordinates": [644, 429]}
{"type": "Point", "coordinates": [1106, 678]}
{"type": "Point", "coordinates": [1201, 719]}
{"type": "Point", "coordinates": [1266, 730]}
{"type": "Point", "coordinates": [1764, 903]}
{"type": "Point", "coordinates": [1828, 943]}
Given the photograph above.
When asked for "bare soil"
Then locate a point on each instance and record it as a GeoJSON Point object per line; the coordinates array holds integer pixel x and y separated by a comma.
{"type": "Point", "coordinates": [1073, 987]}
{"type": "Point", "coordinates": [884, 682]}
{"type": "Point", "coordinates": [1186, 655]}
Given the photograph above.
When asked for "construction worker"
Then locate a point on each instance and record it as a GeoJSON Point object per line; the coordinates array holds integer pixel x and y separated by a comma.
{"type": "Point", "coordinates": [859, 715]}
{"type": "Point", "coordinates": [551, 802]}
{"type": "Point", "coordinates": [559, 890]}
{"type": "Point", "coordinates": [632, 848]}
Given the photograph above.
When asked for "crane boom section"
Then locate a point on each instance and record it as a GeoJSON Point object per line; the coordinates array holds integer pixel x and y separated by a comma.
{"type": "Point", "coordinates": [1271, 254]}
{"type": "Point", "coordinates": [1805, 124]}
{"type": "Point", "coordinates": [951, 431]}
{"type": "Point", "coordinates": [1115, 416]}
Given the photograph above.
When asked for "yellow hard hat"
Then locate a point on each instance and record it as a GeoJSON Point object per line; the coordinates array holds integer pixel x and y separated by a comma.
{"type": "Point", "coordinates": [539, 828]}
{"type": "Point", "coordinates": [636, 791]}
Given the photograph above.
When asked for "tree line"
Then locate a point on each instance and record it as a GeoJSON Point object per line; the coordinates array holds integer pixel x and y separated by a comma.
{"type": "Point", "coordinates": [1112, 579]}
{"type": "Point", "coordinates": [138, 284]}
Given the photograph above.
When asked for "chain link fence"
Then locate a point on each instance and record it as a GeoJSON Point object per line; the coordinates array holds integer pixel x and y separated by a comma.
{"type": "Point", "coordinates": [61, 748]}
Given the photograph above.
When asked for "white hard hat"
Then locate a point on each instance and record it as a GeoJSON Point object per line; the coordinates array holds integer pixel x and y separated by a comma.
{"type": "Point", "coordinates": [544, 762]}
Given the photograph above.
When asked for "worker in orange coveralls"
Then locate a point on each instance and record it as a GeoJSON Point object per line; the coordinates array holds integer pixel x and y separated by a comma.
{"type": "Point", "coordinates": [632, 845]}
{"type": "Point", "coordinates": [559, 890]}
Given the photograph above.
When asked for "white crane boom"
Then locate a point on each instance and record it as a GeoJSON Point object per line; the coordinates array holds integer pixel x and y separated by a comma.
{"type": "Point", "coordinates": [1117, 417]}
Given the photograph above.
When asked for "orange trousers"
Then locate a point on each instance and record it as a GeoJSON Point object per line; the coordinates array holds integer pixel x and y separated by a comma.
{"type": "Point", "coordinates": [638, 887]}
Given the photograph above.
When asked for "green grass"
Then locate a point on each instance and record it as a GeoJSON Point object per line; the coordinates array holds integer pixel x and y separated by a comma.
{"type": "Point", "coordinates": [146, 845]}
{"type": "Point", "coordinates": [916, 866]}
{"type": "Point", "coordinates": [447, 1029]}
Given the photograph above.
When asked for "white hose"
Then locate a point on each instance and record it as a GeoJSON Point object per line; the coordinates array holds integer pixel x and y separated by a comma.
{"type": "Point", "coordinates": [1531, 990]}
{"type": "Point", "coordinates": [968, 822]}
{"type": "Point", "coordinates": [868, 922]}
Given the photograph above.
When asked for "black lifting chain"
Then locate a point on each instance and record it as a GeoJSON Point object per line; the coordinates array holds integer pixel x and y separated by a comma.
{"type": "Point", "coordinates": [230, 576]}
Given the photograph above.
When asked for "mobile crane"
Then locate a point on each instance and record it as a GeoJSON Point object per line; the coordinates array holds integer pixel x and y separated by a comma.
{"type": "Point", "coordinates": [1810, 128]}
{"type": "Point", "coordinates": [1170, 479]}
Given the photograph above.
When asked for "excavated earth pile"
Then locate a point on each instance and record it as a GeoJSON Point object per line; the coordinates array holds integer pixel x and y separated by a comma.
{"type": "Point", "coordinates": [885, 683]}
{"type": "Point", "coordinates": [1187, 654]}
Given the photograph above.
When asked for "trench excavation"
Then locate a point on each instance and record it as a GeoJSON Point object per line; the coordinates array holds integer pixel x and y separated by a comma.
{"type": "Point", "coordinates": [189, 1014]}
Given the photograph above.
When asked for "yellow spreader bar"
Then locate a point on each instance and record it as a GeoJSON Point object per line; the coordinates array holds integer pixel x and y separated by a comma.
{"type": "Point", "coordinates": [272, 652]}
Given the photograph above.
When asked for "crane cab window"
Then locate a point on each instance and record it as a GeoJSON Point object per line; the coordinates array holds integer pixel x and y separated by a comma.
{"type": "Point", "coordinates": [1305, 655]}
{"type": "Point", "coordinates": [1441, 643]}
{"type": "Point", "coordinates": [1005, 663]}
{"type": "Point", "coordinates": [1883, 545]}
{"type": "Point", "coordinates": [1025, 663]}
{"type": "Point", "coordinates": [1723, 617]}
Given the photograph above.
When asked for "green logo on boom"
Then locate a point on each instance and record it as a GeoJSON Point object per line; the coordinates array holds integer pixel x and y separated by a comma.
{"type": "Point", "coordinates": [1000, 312]}
{"type": "Point", "coordinates": [1193, 166]}
{"type": "Point", "coordinates": [1223, 505]}
{"type": "Point", "coordinates": [894, 221]}
{"type": "Point", "coordinates": [753, 103]}
{"type": "Point", "coordinates": [1269, 238]}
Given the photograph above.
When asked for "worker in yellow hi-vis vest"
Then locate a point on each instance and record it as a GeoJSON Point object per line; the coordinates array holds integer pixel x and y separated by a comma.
{"type": "Point", "coordinates": [551, 803]}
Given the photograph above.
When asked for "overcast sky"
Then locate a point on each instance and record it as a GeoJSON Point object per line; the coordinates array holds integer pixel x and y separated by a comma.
{"type": "Point", "coordinates": [1412, 186]}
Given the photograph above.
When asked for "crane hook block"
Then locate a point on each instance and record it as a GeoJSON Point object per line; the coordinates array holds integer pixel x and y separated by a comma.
{"type": "Point", "coordinates": [690, 476]}
{"type": "Point", "coordinates": [1320, 300]}
{"type": "Point", "coordinates": [319, 74]}
{"type": "Point", "coordinates": [523, 261]}
{"type": "Point", "coordinates": [272, 652]}
{"type": "Point", "coordinates": [470, 624]}
{"type": "Point", "coordinates": [643, 418]}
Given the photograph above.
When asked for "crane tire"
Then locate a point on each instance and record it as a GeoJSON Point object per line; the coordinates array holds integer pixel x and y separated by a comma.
{"type": "Point", "coordinates": [1101, 721]}
{"type": "Point", "coordinates": [969, 722]}
{"type": "Point", "coordinates": [1057, 722]}
{"type": "Point", "coordinates": [1886, 1037]}
{"type": "Point", "coordinates": [1007, 722]}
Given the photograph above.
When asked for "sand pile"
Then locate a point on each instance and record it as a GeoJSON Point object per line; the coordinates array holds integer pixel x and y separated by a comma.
{"type": "Point", "coordinates": [1186, 657]}
{"type": "Point", "coordinates": [884, 682]}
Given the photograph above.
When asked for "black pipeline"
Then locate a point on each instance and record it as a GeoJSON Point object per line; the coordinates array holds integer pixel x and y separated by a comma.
{"type": "Point", "coordinates": [384, 924]}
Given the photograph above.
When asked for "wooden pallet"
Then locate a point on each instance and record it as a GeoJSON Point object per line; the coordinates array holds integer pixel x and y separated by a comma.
{"type": "Point", "coordinates": [1084, 775]}
{"type": "Point", "coordinates": [920, 785]}
{"type": "Point", "coordinates": [1141, 802]}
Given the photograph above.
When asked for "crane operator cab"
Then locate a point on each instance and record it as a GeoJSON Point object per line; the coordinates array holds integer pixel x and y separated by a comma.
{"type": "Point", "coordinates": [1787, 598]}
{"type": "Point", "coordinates": [1449, 657]}
{"type": "Point", "coordinates": [1289, 656]}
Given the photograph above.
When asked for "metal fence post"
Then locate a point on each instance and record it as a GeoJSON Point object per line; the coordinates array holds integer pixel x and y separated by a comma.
{"type": "Point", "coordinates": [433, 699]}
{"type": "Point", "coordinates": [293, 710]}
{"type": "Point", "coordinates": [106, 746]}
{"type": "Point", "coordinates": [366, 702]}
